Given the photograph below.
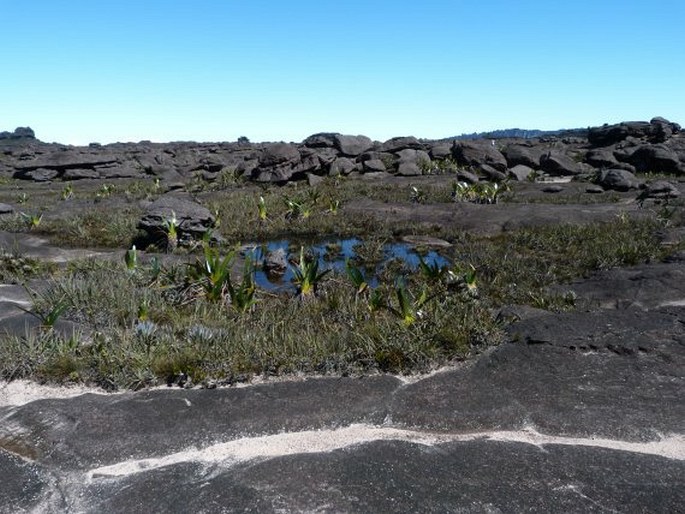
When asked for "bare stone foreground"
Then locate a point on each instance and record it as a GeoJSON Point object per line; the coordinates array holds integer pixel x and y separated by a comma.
{"type": "Point", "coordinates": [578, 412]}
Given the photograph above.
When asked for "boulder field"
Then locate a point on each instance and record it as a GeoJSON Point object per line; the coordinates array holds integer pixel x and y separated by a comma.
{"type": "Point", "coordinates": [629, 147]}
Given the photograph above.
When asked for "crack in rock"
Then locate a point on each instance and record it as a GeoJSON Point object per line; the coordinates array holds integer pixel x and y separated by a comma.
{"type": "Point", "coordinates": [321, 441]}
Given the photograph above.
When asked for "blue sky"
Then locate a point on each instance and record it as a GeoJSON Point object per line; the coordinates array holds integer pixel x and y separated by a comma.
{"type": "Point", "coordinates": [213, 70]}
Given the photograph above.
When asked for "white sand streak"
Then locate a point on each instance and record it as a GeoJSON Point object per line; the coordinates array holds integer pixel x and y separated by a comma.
{"type": "Point", "coordinates": [326, 440]}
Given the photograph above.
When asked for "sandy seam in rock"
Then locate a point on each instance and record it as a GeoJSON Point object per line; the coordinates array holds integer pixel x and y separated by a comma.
{"type": "Point", "coordinates": [21, 392]}
{"type": "Point", "coordinates": [327, 440]}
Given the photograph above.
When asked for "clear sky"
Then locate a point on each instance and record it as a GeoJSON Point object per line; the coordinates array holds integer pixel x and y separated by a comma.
{"type": "Point", "coordinates": [213, 70]}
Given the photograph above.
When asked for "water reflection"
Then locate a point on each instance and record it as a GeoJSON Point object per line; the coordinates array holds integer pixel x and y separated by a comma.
{"type": "Point", "coordinates": [333, 254]}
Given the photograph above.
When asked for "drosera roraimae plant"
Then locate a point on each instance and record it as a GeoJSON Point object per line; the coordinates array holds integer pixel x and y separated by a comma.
{"type": "Point", "coordinates": [131, 258]}
{"type": "Point", "coordinates": [261, 210]}
{"type": "Point", "coordinates": [32, 220]}
{"type": "Point", "coordinates": [416, 195]}
{"type": "Point", "coordinates": [67, 193]}
{"type": "Point", "coordinates": [356, 277]}
{"type": "Point", "coordinates": [409, 307]}
{"type": "Point", "coordinates": [480, 192]}
{"type": "Point", "coordinates": [432, 271]}
{"type": "Point", "coordinates": [171, 227]}
{"type": "Point", "coordinates": [306, 275]}
{"type": "Point", "coordinates": [296, 209]}
{"type": "Point", "coordinates": [242, 296]}
{"type": "Point", "coordinates": [48, 312]}
{"type": "Point", "coordinates": [213, 272]}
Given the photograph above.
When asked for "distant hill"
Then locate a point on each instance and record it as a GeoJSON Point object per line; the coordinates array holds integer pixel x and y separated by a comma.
{"type": "Point", "coordinates": [522, 133]}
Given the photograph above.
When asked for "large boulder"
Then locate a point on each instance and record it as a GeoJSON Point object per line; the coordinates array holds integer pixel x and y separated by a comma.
{"type": "Point", "coordinates": [656, 158]}
{"type": "Point", "coordinates": [352, 146]}
{"type": "Point", "coordinates": [657, 130]}
{"type": "Point", "coordinates": [277, 163]}
{"type": "Point", "coordinates": [524, 155]}
{"type": "Point", "coordinates": [618, 180]}
{"type": "Point", "coordinates": [557, 163]}
{"type": "Point", "coordinates": [376, 161]}
{"type": "Point", "coordinates": [412, 162]}
{"type": "Point", "coordinates": [662, 129]}
{"type": "Point", "coordinates": [601, 158]}
{"type": "Point", "coordinates": [607, 135]}
{"type": "Point", "coordinates": [659, 190]}
{"type": "Point", "coordinates": [25, 133]}
{"type": "Point", "coordinates": [321, 140]}
{"type": "Point", "coordinates": [440, 150]}
{"type": "Point", "coordinates": [521, 172]}
{"type": "Point", "coordinates": [69, 158]}
{"type": "Point", "coordinates": [279, 153]}
{"type": "Point", "coordinates": [401, 143]}
{"type": "Point", "coordinates": [342, 166]}
{"type": "Point", "coordinates": [471, 153]}
{"type": "Point", "coordinates": [193, 219]}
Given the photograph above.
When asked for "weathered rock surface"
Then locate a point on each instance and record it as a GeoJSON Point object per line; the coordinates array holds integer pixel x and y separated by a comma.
{"type": "Point", "coordinates": [523, 155]}
{"type": "Point", "coordinates": [618, 180]}
{"type": "Point", "coordinates": [556, 163]}
{"type": "Point", "coordinates": [578, 410]}
{"type": "Point", "coordinates": [193, 219]}
{"type": "Point", "coordinates": [470, 153]}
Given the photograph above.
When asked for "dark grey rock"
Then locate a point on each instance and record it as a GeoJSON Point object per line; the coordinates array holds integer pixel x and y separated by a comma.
{"type": "Point", "coordinates": [646, 286]}
{"type": "Point", "coordinates": [440, 150]}
{"type": "Point", "coordinates": [194, 220]}
{"type": "Point", "coordinates": [68, 158]}
{"type": "Point", "coordinates": [326, 155]}
{"type": "Point", "coordinates": [313, 179]}
{"type": "Point", "coordinates": [557, 163]}
{"type": "Point", "coordinates": [401, 143]}
{"type": "Point", "coordinates": [659, 190]}
{"type": "Point", "coordinates": [663, 129]}
{"type": "Point", "coordinates": [18, 134]}
{"type": "Point", "coordinates": [321, 140]}
{"type": "Point", "coordinates": [412, 162]}
{"type": "Point", "coordinates": [276, 262]}
{"type": "Point", "coordinates": [342, 166]}
{"type": "Point", "coordinates": [352, 146]}
{"type": "Point", "coordinates": [37, 175]}
{"type": "Point", "coordinates": [467, 176]}
{"type": "Point", "coordinates": [374, 165]}
{"type": "Point", "coordinates": [23, 482]}
{"type": "Point", "coordinates": [554, 188]}
{"type": "Point", "coordinates": [607, 135]}
{"type": "Point", "coordinates": [279, 153]}
{"type": "Point", "coordinates": [657, 130]}
{"type": "Point", "coordinates": [79, 174]}
{"type": "Point", "coordinates": [521, 172]}
{"type": "Point", "coordinates": [562, 359]}
{"type": "Point", "coordinates": [523, 155]}
{"type": "Point", "coordinates": [124, 171]}
{"type": "Point", "coordinates": [601, 158]}
{"type": "Point", "coordinates": [491, 173]}
{"type": "Point", "coordinates": [469, 153]}
{"type": "Point", "coordinates": [6, 209]}
{"type": "Point", "coordinates": [656, 158]}
{"type": "Point", "coordinates": [618, 180]}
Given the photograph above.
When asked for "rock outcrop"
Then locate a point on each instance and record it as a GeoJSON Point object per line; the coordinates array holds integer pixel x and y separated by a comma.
{"type": "Point", "coordinates": [655, 146]}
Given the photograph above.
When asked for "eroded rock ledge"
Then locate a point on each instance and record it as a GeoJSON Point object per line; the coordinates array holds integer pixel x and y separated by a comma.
{"type": "Point", "coordinates": [654, 146]}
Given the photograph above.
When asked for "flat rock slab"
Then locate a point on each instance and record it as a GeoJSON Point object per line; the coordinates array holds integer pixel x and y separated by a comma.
{"type": "Point", "coordinates": [36, 247]}
{"type": "Point", "coordinates": [493, 219]}
{"type": "Point", "coordinates": [580, 411]}
{"type": "Point", "coordinates": [646, 286]}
